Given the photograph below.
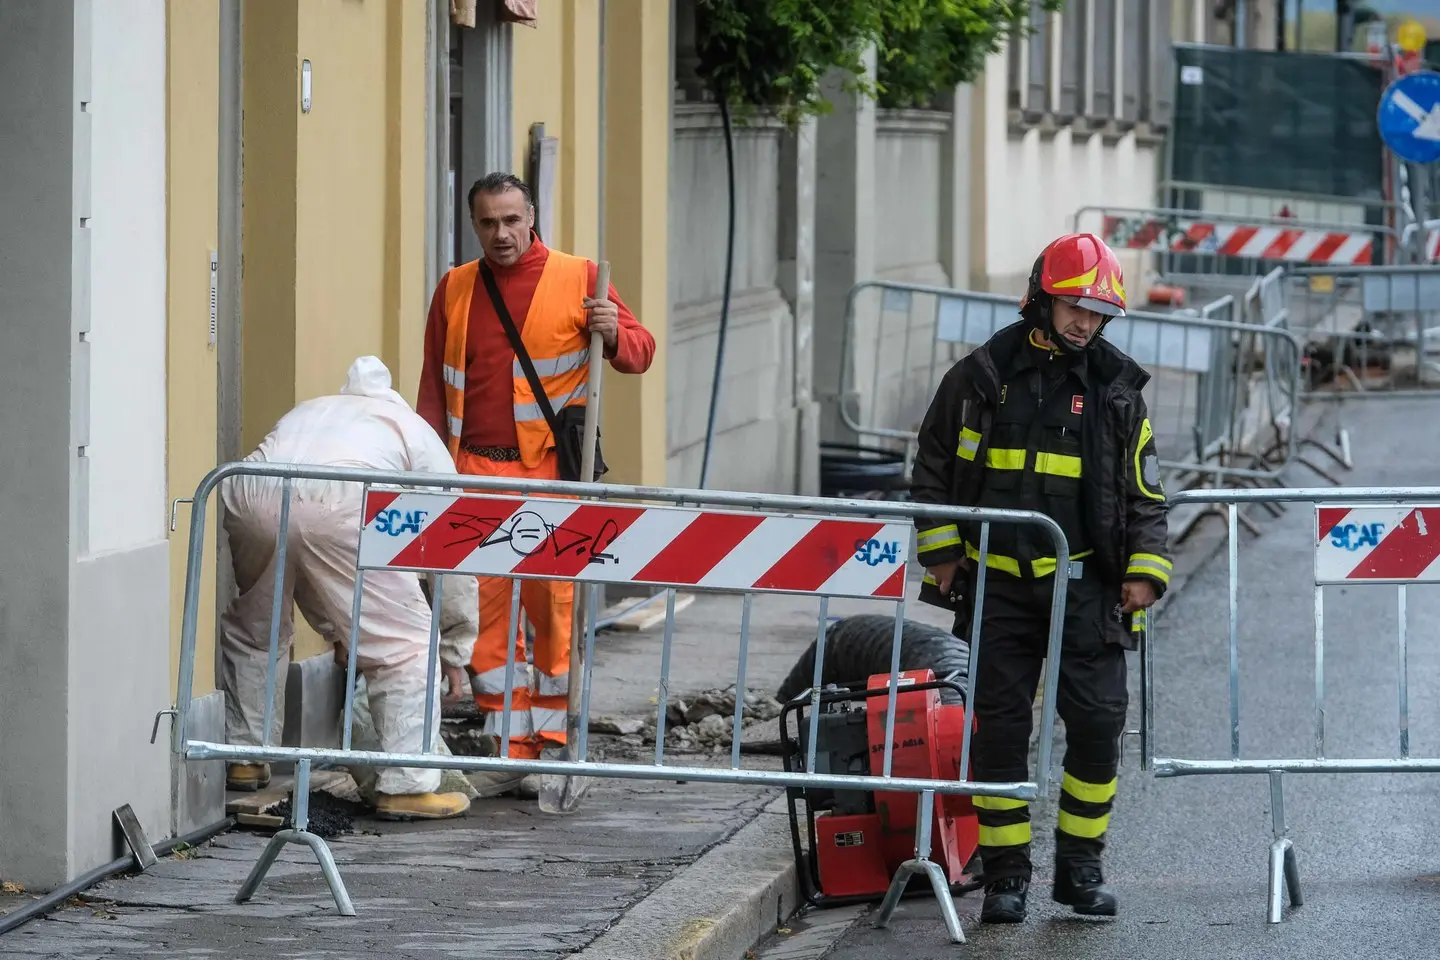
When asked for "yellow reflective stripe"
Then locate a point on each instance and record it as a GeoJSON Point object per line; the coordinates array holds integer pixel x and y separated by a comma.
{"type": "Point", "coordinates": [997, 803]}
{"type": "Point", "coordinates": [1014, 835]}
{"type": "Point", "coordinates": [1057, 464]}
{"type": "Point", "coordinates": [1089, 792]}
{"type": "Point", "coordinates": [969, 444]}
{"type": "Point", "coordinates": [1138, 621]}
{"type": "Point", "coordinates": [1146, 433]}
{"type": "Point", "coordinates": [1045, 566]}
{"type": "Point", "coordinates": [994, 561]}
{"type": "Point", "coordinates": [1149, 565]}
{"type": "Point", "coordinates": [1000, 458]}
{"type": "Point", "coordinates": [936, 538]}
{"type": "Point", "coordinates": [1040, 567]}
{"type": "Point", "coordinates": [1088, 828]}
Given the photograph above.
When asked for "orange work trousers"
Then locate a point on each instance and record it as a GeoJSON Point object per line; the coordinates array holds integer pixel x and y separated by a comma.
{"type": "Point", "coordinates": [538, 708]}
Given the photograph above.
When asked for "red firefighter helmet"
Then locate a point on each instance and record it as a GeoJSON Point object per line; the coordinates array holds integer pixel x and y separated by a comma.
{"type": "Point", "coordinates": [1084, 271]}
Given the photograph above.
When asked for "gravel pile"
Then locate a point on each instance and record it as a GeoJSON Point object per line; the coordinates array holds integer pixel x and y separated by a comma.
{"type": "Point", "coordinates": [329, 816]}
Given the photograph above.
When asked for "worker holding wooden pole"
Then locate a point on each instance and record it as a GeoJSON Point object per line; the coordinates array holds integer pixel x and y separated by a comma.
{"type": "Point", "coordinates": [510, 381]}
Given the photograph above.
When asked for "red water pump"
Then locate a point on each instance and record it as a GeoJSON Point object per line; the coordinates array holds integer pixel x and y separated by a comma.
{"type": "Point", "coordinates": [859, 838]}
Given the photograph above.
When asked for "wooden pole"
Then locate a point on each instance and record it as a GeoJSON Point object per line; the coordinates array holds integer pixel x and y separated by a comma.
{"type": "Point", "coordinates": [563, 794]}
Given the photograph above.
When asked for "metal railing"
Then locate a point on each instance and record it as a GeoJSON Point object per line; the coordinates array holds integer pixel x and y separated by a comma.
{"type": "Point", "coordinates": [1209, 405]}
{"type": "Point", "coordinates": [1368, 332]}
{"type": "Point", "coordinates": [1349, 524]}
{"type": "Point", "coordinates": [520, 529]}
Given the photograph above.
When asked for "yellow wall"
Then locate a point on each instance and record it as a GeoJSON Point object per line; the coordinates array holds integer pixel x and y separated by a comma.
{"type": "Point", "coordinates": [556, 70]}
{"type": "Point", "coordinates": [555, 82]}
{"type": "Point", "coordinates": [637, 214]}
{"type": "Point", "coordinates": [192, 126]}
{"type": "Point", "coordinates": [334, 219]}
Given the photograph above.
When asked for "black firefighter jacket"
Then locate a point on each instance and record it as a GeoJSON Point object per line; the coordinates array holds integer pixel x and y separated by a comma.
{"type": "Point", "coordinates": [1124, 507]}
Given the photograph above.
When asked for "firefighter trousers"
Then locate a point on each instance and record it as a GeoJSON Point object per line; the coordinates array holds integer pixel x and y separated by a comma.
{"type": "Point", "coordinates": [1092, 699]}
{"type": "Point", "coordinates": [538, 708]}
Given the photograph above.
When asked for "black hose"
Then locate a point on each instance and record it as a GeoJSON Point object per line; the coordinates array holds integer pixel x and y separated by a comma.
{"type": "Point", "coordinates": [38, 908]}
{"type": "Point", "coordinates": [725, 302]}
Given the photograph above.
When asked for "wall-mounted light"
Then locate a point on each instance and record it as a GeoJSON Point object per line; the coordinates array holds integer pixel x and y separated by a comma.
{"type": "Point", "coordinates": [305, 86]}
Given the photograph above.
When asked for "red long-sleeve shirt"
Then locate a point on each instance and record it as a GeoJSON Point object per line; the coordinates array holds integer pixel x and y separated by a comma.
{"type": "Point", "coordinates": [489, 419]}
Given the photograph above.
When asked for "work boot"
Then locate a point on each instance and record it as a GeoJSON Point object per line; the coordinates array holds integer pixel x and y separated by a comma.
{"type": "Point", "coordinates": [420, 806]}
{"type": "Point", "coordinates": [1082, 887]}
{"type": "Point", "coordinates": [1005, 900]}
{"type": "Point", "coordinates": [247, 776]}
{"type": "Point", "coordinates": [530, 786]}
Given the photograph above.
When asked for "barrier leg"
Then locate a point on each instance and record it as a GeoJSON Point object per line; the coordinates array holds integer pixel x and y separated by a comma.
{"type": "Point", "coordinates": [1284, 868]}
{"type": "Point", "coordinates": [922, 864]}
{"type": "Point", "coordinates": [300, 817]}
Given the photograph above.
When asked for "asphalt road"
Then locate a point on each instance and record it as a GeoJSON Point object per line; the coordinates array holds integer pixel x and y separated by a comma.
{"type": "Point", "coordinates": [1188, 856]}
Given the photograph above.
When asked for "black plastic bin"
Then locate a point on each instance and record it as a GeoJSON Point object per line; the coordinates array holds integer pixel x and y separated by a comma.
{"type": "Point", "coordinates": [851, 470]}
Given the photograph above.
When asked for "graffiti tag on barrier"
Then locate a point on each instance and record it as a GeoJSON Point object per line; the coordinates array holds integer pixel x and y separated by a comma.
{"type": "Point", "coordinates": [1356, 536]}
{"type": "Point", "coordinates": [400, 522]}
{"type": "Point", "coordinates": [1168, 233]}
{"type": "Point", "coordinates": [529, 534]}
{"type": "Point", "coordinates": [876, 552]}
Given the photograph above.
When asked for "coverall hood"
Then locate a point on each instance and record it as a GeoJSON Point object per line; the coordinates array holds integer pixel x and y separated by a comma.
{"type": "Point", "coordinates": [369, 377]}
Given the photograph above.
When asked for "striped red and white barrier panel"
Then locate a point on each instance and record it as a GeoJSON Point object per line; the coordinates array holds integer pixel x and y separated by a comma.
{"type": "Point", "coordinates": [552, 538]}
{"type": "Point", "coordinates": [1394, 544]}
{"type": "Point", "coordinates": [1334, 248]}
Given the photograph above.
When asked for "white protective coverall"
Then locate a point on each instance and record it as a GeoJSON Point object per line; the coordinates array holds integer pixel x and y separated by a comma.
{"type": "Point", "coordinates": [368, 425]}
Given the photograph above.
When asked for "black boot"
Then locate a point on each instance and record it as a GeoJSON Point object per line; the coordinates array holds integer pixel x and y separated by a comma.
{"type": "Point", "coordinates": [1082, 888]}
{"type": "Point", "coordinates": [1005, 900]}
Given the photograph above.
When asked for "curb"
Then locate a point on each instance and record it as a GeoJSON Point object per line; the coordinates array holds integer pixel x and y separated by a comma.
{"type": "Point", "coordinates": [718, 907]}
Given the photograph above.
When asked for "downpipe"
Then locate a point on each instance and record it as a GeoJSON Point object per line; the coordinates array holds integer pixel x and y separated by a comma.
{"type": "Point", "coordinates": [725, 301]}
{"type": "Point", "coordinates": [38, 908]}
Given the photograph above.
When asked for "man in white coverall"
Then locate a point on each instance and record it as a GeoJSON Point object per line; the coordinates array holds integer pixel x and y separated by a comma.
{"type": "Point", "coordinates": [369, 426]}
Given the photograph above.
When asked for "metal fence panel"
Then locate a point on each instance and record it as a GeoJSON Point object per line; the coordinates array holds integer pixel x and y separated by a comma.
{"type": "Point", "coordinates": [1369, 332]}
{"type": "Point", "coordinates": [1202, 365]}
{"type": "Point", "coordinates": [582, 533]}
{"type": "Point", "coordinates": [1362, 535]}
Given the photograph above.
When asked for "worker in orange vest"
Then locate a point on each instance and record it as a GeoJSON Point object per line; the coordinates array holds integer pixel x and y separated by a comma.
{"type": "Point", "coordinates": [476, 392]}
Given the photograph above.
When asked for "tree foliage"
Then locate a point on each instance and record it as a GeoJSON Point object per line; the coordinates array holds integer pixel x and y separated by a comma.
{"type": "Point", "coordinates": [773, 54]}
{"type": "Point", "coordinates": [931, 46]}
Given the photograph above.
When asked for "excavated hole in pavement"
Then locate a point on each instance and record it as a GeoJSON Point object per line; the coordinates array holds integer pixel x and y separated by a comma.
{"type": "Point", "coordinates": [329, 816]}
{"type": "Point", "coordinates": [699, 723]}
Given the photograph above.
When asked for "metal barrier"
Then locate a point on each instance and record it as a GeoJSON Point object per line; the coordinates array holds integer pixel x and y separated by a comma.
{"type": "Point", "coordinates": [1268, 305]}
{"type": "Point", "coordinates": [521, 530]}
{"type": "Point", "coordinates": [1363, 535]}
{"type": "Point", "coordinates": [1201, 397]}
{"type": "Point", "coordinates": [1369, 332]}
{"type": "Point", "coordinates": [1218, 251]}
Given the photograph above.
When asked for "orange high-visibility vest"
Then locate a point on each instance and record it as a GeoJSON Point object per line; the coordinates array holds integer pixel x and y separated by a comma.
{"type": "Point", "coordinates": [555, 335]}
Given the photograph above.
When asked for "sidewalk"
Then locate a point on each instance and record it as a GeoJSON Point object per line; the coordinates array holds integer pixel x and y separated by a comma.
{"type": "Point", "coordinates": [644, 869]}
{"type": "Point", "coordinates": [505, 880]}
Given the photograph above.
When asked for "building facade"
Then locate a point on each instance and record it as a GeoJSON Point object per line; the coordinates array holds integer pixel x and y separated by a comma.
{"type": "Point", "coordinates": [212, 208]}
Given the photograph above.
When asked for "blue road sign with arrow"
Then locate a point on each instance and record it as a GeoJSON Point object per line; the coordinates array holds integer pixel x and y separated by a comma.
{"type": "Point", "coordinates": [1409, 117]}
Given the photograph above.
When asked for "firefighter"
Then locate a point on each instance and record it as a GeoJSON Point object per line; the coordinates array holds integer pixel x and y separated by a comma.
{"type": "Point", "coordinates": [1048, 416]}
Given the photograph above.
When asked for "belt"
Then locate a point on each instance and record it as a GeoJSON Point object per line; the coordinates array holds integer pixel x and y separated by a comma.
{"type": "Point", "coordinates": [501, 454]}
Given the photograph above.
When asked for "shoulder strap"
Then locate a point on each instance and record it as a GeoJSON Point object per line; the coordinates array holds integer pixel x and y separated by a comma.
{"type": "Point", "coordinates": [518, 345]}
